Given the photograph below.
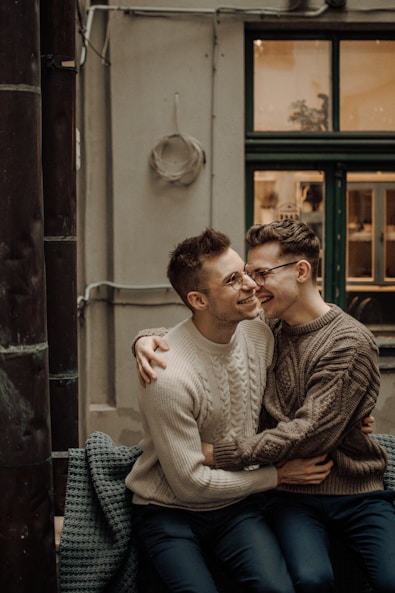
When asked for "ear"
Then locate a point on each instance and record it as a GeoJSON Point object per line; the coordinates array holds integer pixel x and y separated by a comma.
{"type": "Point", "coordinates": [197, 300]}
{"type": "Point", "coordinates": [304, 270]}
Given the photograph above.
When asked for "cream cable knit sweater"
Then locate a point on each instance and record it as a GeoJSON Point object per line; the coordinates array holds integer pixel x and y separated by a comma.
{"type": "Point", "coordinates": [208, 392]}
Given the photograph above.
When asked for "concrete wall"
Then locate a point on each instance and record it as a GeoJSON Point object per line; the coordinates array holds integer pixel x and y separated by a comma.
{"type": "Point", "coordinates": [168, 73]}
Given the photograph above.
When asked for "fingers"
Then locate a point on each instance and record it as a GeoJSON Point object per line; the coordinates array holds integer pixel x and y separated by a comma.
{"type": "Point", "coordinates": [368, 420]}
{"type": "Point", "coordinates": [319, 470]}
{"type": "Point", "coordinates": [161, 344]}
{"type": "Point", "coordinates": [305, 471]}
{"type": "Point", "coordinates": [320, 464]}
{"type": "Point", "coordinates": [145, 372]}
{"type": "Point", "coordinates": [366, 425]}
{"type": "Point", "coordinates": [143, 378]}
{"type": "Point", "coordinates": [320, 461]}
{"type": "Point", "coordinates": [208, 452]}
{"type": "Point", "coordinates": [146, 358]}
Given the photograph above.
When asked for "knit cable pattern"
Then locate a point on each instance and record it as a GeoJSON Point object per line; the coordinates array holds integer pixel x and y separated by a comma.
{"type": "Point", "coordinates": [97, 554]}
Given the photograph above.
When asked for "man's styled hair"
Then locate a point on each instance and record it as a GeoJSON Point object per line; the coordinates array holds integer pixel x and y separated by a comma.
{"type": "Point", "coordinates": [295, 238]}
{"type": "Point", "coordinates": [185, 266]}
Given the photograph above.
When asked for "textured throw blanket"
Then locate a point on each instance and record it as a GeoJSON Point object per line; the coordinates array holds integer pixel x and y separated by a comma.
{"type": "Point", "coordinates": [388, 442]}
{"type": "Point", "coordinates": [97, 554]}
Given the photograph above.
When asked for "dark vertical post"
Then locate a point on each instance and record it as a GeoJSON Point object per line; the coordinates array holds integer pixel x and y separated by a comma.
{"type": "Point", "coordinates": [27, 549]}
{"type": "Point", "coordinates": [58, 80]}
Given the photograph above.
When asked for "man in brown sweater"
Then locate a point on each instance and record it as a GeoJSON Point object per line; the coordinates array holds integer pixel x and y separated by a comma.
{"type": "Point", "coordinates": [323, 382]}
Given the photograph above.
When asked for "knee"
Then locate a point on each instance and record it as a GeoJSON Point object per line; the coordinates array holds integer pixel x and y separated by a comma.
{"type": "Point", "coordinates": [383, 585]}
{"type": "Point", "coordinates": [382, 575]}
{"type": "Point", "coordinates": [278, 583]}
{"type": "Point", "coordinates": [311, 582]}
{"type": "Point", "coordinates": [278, 587]}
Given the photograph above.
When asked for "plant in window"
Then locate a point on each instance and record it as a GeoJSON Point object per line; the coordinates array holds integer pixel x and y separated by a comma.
{"type": "Point", "coordinates": [311, 119]}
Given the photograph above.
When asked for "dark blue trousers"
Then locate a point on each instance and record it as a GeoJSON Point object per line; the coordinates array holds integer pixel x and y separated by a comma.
{"type": "Point", "coordinates": [304, 523]}
{"type": "Point", "coordinates": [238, 537]}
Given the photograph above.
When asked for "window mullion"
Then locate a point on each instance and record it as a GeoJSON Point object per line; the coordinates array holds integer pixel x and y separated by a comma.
{"type": "Point", "coordinates": [335, 69]}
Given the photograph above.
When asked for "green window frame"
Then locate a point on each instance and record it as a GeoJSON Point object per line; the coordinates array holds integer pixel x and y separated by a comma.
{"type": "Point", "coordinates": [333, 152]}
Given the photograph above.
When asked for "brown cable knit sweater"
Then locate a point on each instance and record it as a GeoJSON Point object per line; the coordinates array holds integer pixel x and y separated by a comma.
{"type": "Point", "coordinates": [324, 379]}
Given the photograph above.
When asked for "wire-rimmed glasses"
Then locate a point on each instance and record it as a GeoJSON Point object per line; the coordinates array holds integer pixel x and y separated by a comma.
{"type": "Point", "coordinates": [235, 280]}
{"type": "Point", "coordinates": [259, 276]}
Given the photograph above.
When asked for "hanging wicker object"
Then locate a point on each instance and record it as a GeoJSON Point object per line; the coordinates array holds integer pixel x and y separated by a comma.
{"type": "Point", "coordinates": [177, 158]}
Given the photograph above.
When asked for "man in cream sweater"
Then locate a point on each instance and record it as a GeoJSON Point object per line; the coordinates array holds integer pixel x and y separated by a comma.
{"type": "Point", "coordinates": [212, 390]}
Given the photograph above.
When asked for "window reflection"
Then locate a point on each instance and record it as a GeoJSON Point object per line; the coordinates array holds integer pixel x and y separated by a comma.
{"type": "Point", "coordinates": [389, 235]}
{"type": "Point", "coordinates": [367, 85]}
{"type": "Point", "coordinates": [360, 233]}
{"type": "Point", "coordinates": [371, 249]}
{"type": "Point", "coordinates": [291, 85]}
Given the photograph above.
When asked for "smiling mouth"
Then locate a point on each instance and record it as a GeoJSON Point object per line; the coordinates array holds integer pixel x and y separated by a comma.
{"type": "Point", "coordinates": [266, 299]}
{"type": "Point", "coordinates": [250, 299]}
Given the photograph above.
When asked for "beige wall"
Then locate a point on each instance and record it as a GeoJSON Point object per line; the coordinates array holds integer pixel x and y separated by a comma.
{"type": "Point", "coordinates": [128, 220]}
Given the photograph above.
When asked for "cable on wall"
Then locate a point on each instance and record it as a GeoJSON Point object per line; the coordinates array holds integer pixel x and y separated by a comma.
{"type": "Point", "coordinates": [84, 300]}
{"type": "Point", "coordinates": [244, 13]}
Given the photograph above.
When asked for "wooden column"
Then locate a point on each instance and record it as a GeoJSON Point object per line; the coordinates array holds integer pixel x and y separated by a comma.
{"type": "Point", "coordinates": [27, 549]}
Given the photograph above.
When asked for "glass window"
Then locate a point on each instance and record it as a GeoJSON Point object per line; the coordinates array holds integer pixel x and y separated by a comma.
{"type": "Point", "coordinates": [367, 85]}
{"type": "Point", "coordinates": [389, 236]}
{"type": "Point", "coordinates": [294, 90]}
{"type": "Point", "coordinates": [291, 85]}
{"type": "Point", "coordinates": [320, 138]}
{"type": "Point", "coordinates": [360, 234]}
{"type": "Point", "coordinates": [370, 249]}
{"type": "Point", "coordinates": [290, 194]}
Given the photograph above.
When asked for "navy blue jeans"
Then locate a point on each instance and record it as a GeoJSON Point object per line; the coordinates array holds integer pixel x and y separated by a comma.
{"type": "Point", "coordinates": [238, 537]}
{"type": "Point", "coordinates": [365, 522]}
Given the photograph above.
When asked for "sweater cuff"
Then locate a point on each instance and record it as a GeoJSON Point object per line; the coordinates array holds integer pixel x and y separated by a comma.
{"type": "Point", "coordinates": [156, 331]}
{"type": "Point", "coordinates": [226, 456]}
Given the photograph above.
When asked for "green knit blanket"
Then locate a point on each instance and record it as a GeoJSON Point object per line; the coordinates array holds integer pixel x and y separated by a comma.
{"type": "Point", "coordinates": [96, 552]}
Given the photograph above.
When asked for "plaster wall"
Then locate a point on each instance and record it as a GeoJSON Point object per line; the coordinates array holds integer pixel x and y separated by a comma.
{"type": "Point", "coordinates": [160, 74]}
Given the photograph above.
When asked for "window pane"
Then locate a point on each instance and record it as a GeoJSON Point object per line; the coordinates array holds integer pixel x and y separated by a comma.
{"type": "Point", "coordinates": [298, 195]}
{"type": "Point", "coordinates": [359, 234]}
{"type": "Point", "coordinates": [371, 250]}
{"type": "Point", "coordinates": [367, 85]}
{"type": "Point", "coordinates": [389, 235]}
{"type": "Point", "coordinates": [291, 85]}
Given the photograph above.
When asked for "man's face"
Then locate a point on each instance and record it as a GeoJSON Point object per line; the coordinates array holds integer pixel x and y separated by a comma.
{"type": "Point", "coordinates": [229, 302]}
{"type": "Point", "coordinates": [279, 295]}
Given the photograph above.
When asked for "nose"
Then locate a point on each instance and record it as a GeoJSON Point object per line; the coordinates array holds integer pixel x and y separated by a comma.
{"type": "Point", "coordinates": [247, 280]}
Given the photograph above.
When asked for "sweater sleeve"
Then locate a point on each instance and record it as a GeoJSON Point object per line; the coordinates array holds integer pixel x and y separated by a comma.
{"type": "Point", "coordinates": [156, 331]}
{"type": "Point", "coordinates": [341, 391]}
{"type": "Point", "coordinates": [170, 409]}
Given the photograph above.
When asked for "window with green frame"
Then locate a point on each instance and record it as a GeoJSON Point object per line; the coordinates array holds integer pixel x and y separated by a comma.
{"type": "Point", "coordinates": [320, 146]}
{"type": "Point", "coordinates": [321, 83]}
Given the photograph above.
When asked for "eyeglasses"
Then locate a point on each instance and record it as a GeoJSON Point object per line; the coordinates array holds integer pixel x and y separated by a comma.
{"type": "Point", "coordinates": [259, 277]}
{"type": "Point", "coordinates": [236, 280]}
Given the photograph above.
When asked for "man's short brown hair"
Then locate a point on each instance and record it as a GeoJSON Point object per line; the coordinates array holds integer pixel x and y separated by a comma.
{"type": "Point", "coordinates": [295, 239]}
{"type": "Point", "coordinates": [185, 266]}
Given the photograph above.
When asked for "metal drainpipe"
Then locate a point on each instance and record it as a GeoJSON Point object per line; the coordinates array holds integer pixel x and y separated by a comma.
{"type": "Point", "coordinates": [27, 548]}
